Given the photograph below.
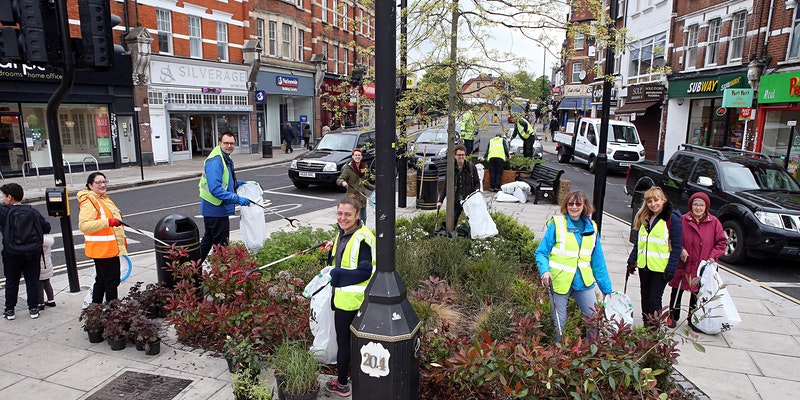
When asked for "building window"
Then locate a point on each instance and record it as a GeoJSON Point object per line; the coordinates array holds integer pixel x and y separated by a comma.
{"type": "Point", "coordinates": [345, 60]}
{"type": "Point", "coordinates": [361, 21]}
{"type": "Point", "coordinates": [222, 41]}
{"type": "Point", "coordinates": [579, 41]}
{"type": "Point", "coordinates": [738, 33]}
{"type": "Point", "coordinates": [300, 40]}
{"type": "Point", "coordinates": [713, 41]}
{"type": "Point", "coordinates": [577, 68]}
{"type": "Point", "coordinates": [691, 47]}
{"type": "Point", "coordinates": [335, 12]}
{"type": "Point", "coordinates": [260, 31]}
{"type": "Point", "coordinates": [794, 44]}
{"type": "Point", "coordinates": [286, 40]}
{"type": "Point", "coordinates": [325, 53]}
{"type": "Point", "coordinates": [273, 38]}
{"type": "Point", "coordinates": [335, 59]}
{"type": "Point", "coordinates": [324, 10]}
{"type": "Point", "coordinates": [164, 22]}
{"type": "Point", "coordinates": [195, 38]}
{"type": "Point", "coordinates": [344, 16]}
{"type": "Point", "coordinates": [646, 56]}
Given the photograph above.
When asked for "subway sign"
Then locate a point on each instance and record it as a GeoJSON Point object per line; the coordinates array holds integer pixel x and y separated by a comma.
{"type": "Point", "coordinates": [712, 86]}
{"type": "Point", "coordinates": [779, 88]}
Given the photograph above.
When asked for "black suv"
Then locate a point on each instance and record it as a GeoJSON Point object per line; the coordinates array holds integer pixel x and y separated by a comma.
{"type": "Point", "coordinates": [324, 164]}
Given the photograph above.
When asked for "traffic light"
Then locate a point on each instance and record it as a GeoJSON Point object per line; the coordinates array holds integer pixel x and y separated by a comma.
{"type": "Point", "coordinates": [97, 24]}
{"type": "Point", "coordinates": [36, 41]}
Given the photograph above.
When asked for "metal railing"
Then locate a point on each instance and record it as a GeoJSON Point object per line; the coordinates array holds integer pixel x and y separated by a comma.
{"type": "Point", "coordinates": [25, 177]}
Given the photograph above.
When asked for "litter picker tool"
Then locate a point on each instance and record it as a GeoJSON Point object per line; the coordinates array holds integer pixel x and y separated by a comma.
{"type": "Point", "coordinates": [551, 294]}
{"type": "Point", "coordinates": [326, 244]}
{"type": "Point", "coordinates": [161, 242]}
{"type": "Point", "coordinates": [292, 221]}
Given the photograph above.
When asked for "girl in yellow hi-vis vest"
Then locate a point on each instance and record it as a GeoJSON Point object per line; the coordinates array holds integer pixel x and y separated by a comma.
{"type": "Point", "coordinates": [570, 258]}
{"type": "Point", "coordinates": [656, 252]}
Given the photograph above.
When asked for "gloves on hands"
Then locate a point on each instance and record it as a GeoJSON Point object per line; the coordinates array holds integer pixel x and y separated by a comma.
{"type": "Point", "coordinates": [631, 269]}
{"type": "Point", "coordinates": [668, 275]}
{"type": "Point", "coordinates": [243, 201]}
{"type": "Point", "coordinates": [113, 222]}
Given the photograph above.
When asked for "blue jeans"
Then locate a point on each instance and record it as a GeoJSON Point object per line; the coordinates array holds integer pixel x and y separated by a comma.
{"type": "Point", "coordinates": [586, 300]}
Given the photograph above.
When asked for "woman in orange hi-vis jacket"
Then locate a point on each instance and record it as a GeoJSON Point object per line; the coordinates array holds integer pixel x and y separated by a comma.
{"type": "Point", "coordinates": [100, 222]}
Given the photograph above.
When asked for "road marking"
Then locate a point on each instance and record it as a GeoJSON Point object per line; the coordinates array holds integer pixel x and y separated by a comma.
{"type": "Point", "coordinates": [298, 195]}
{"type": "Point", "coordinates": [163, 209]}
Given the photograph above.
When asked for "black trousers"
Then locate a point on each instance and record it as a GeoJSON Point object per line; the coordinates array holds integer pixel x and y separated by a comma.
{"type": "Point", "coordinates": [15, 267]}
{"type": "Point", "coordinates": [652, 285]}
{"type": "Point", "coordinates": [217, 231]}
{"type": "Point", "coordinates": [527, 146]}
{"type": "Point", "coordinates": [107, 280]}
{"type": "Point", "coordinates": [342, 320]}
{"type": "Point", "coordinates": [675, 304]}
{"type": "Point", "coordinates": [496, 166]}
{"type": "Point", "coordinates": [469, 145]}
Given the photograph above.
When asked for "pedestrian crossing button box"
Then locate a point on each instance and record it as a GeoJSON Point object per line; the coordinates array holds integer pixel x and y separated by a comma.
{"type": "Point", "coordinates": [57, 202]}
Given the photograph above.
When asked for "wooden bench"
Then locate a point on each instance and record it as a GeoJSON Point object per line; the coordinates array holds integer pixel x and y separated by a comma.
{"type": "Point", "coordinates": [544, 181]}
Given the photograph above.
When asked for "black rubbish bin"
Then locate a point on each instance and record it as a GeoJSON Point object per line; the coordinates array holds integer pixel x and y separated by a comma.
{"type": "Point", "coordinates": [266, 149]}
{"type": "Point", "coordinates": [181, 231]}
{"type": "Point", "coordinates": [427, 186]}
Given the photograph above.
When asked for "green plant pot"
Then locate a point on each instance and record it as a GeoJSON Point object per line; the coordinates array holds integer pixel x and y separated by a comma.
{"type": "Point", "coordinates": [152, 349]}
{"type": "Point", "coordinates": [95, 336]}
{"type": "Point", "coordinates": [117, 344]}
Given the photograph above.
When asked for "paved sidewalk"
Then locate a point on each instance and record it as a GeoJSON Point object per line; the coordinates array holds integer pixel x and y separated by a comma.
{"type": "Point", "coordinates": [50, 357]}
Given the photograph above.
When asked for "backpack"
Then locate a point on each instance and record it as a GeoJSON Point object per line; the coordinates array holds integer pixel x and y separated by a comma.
{"type": "Point", "coordinates": [23, 233]}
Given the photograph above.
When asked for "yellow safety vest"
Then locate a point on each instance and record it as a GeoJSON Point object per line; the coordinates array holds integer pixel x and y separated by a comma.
{"type": "Point", "coordinates": [468, 126]}
{"type": "Point", "coordinates": [653, 247]}
{"type": "Point", "coordinates": [567, 257]}
{"type": "Point", "coordinates": [203, 185]}
{"type": "Point", "coordinates": [524, 132]}
{"type": "Point", "coordinates": [496, 149]}
{"type": "Point", "coordinates": [103, 243]}
{"type": "Point", "coordinates": [349, 298]}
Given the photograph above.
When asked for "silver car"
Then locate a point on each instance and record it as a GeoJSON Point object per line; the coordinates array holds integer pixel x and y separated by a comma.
{"type": "Point", "coordinates": [515, 145]}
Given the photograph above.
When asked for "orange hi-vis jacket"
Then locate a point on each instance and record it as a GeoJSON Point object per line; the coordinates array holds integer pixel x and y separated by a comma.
{"type": "Point", "coordinates": [102, 241]}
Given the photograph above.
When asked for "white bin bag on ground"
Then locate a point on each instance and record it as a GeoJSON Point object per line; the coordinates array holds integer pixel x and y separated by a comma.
{"type": "Point", "coordinates": [253, 224]}
{"type": "Point", "coordinates": [321, 318]}
{"type": "Point", "coordinates": [481, 225]}
{"type": "Point", "coordinates": [518, 189]}
{"type": "Point", "coordinates": [715, 312]}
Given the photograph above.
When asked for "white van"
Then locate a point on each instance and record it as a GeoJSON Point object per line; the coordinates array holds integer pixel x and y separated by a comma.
{"type": "Point", "coordinates": [623, 147]}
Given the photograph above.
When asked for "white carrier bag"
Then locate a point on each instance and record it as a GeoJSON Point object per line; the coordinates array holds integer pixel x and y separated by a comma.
{"type": "Point", "coordinates": [479, 168]}
{"type": "Point", "coordinates": [253, 225]}
{"type": "Point", "coordinates": [617, 306]}
{"type": "Point", "coordinates": [715, 311]}
{"type": "Point", "coordinates": [321, 319]}
{"type": "Point", "coordinates": [481, 225]}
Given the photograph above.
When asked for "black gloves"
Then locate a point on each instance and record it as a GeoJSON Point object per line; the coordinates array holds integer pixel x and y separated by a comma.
{"type": "Point", "coordinates": [631, 269]}
{"type": "Point", "coordinates": [668, 275]}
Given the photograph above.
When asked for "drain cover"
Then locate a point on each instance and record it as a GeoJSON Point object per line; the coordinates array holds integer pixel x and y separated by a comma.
{"type": "Point", "coordinates": [139, 386]}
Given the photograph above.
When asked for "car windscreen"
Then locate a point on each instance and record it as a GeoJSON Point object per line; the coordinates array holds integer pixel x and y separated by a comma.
{"type": "Point", "coordinates": [622, 134]}
{"type": "Point", "coordinates": [334, 142]}
{"type": "Point", "coordinates": [740, 177]}
{"type": "Point", "coordinates": [438, 136]}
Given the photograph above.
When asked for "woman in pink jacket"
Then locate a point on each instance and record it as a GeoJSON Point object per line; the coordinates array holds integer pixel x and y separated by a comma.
{"type": "Point", "coordinates": [703, 239]}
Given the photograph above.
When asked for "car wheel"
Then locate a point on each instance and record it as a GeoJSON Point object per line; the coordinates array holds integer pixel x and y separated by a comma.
{"type": "Point", "coordinates": [563, 157]}
{"type": "Point", "coordinates": [592, 164]}
{"type": "Point", "coordinates": [734, 248]}
{"type": "Point", "coordinates": [300, 185]}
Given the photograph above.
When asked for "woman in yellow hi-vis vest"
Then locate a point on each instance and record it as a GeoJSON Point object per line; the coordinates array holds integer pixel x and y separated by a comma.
{"type": "Point", "coordinates": [570, 258]}
{"type": "Point", "coordinates": [353, 258]}
{"type": "Point", "coordinates": [657, 251]}
{"type": "Point", "coordinates": [100, 222]}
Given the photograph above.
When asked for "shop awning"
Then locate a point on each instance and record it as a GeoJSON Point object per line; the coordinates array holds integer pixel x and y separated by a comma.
{"type": "Point", "coordinates": [635, 108]}
{"type": "Point", "coordinates": [571, 103]}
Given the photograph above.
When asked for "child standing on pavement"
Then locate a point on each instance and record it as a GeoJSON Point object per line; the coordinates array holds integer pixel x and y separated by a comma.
{"type": "Point", "coordinates": [45, 273]}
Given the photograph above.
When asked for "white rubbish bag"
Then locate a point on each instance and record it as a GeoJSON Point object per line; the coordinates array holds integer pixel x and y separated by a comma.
{"type": "Point", "coordinates": [617, 306]}
{"type": "Point", "coordinates": [481, 225]}
{"type": "Point", "coordinates": [321, 319]}
{"type": "Point", "coordinates": [253, 225]}
{"type": "Point", "coordinates": [479, 168]}
{"type": "Point", "coordinates": [518, 189]}
{"type": "Point", "coordinates": [715, 311]}
{"type": "Point", "coordinates": [505, 198]}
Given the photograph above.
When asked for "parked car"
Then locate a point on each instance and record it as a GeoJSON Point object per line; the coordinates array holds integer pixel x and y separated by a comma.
{"type": "Point", "coordinates": [431, 144]}
{"type": "Point", "coordinates": [515, 145]}
{"type": "Point", "coordinates": [324, 164]}
{"type": "Point", "coordinates": [756, 200]}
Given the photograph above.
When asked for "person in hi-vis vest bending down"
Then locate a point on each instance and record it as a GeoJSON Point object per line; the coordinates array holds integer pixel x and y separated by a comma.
{"type": "Point", "coordinates": [100, 222]}
{"type": "Point", "coordinates": [218, 197]}
{"type": "Point", "coordinates": [571, 258]}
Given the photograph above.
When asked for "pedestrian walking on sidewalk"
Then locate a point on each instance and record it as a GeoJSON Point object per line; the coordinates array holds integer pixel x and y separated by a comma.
{"type": "Point", "coordinates": [497, 154]}
{"type": "Point", "coordinates": [307, 136]}
{"type": "Point", "coordinates": [100, 220]}
{"type": "Point", "coordinates": [703, 239]}
{"type": "Point", "coordinates": [353, 258]}
{"type": "Point", "coordinates": [218, 198]}
{"type": "Point", "coordinates": [657, 251]}
{"type": "Point", "coordinates": [46, 296]}
{"type": "Point", "coordinates": [23, 230]}
{"type": "Point", "coordinates": [570, 258]}
{"type": "Point", "coordinates": [287, 134]}
{"type": "Point", "coordinates": [554, 127]}
{"type": "Point", "coordinates": [355, 178]}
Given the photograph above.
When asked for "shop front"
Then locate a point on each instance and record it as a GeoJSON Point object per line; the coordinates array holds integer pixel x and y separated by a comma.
{"type": "Point", "coordinates": [577, 102]}
{"type": "Point", "coordinates": [192, 103]}
{"type": "Point", "coordinates": [778, 114]}
{"type": "Point", "coordinates": [339, 102]}
{"type": "Point", "coordinates": [289, 97]}
{"type": "Point", "coordinates": [95, 120]}
{"type": "Point", "coordinates": [642, 107]}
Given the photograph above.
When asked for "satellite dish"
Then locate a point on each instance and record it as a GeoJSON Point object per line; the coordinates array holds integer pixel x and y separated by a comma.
{"type": "Point", "coordinates": [582, 75]}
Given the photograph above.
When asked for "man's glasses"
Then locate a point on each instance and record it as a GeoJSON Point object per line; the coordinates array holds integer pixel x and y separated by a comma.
{"type": "Point", "coordinates": [100, 182]}
{"type": "Point", "coordinates": [460, 155]}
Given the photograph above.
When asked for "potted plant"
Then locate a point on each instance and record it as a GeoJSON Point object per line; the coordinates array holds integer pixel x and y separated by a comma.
{"type": "Point", "coordinates": [301, 373]}
{"type": "Point", "coordinates": [92, 318]}
{"type": "Point", "coordinates": [115, 325]}
{"type": "Point", "coordinates": [243, 352]}
{"type": "Point", "coordinates": [144, 333]}
{"type": "Point", "coordinates": [248, 387]}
